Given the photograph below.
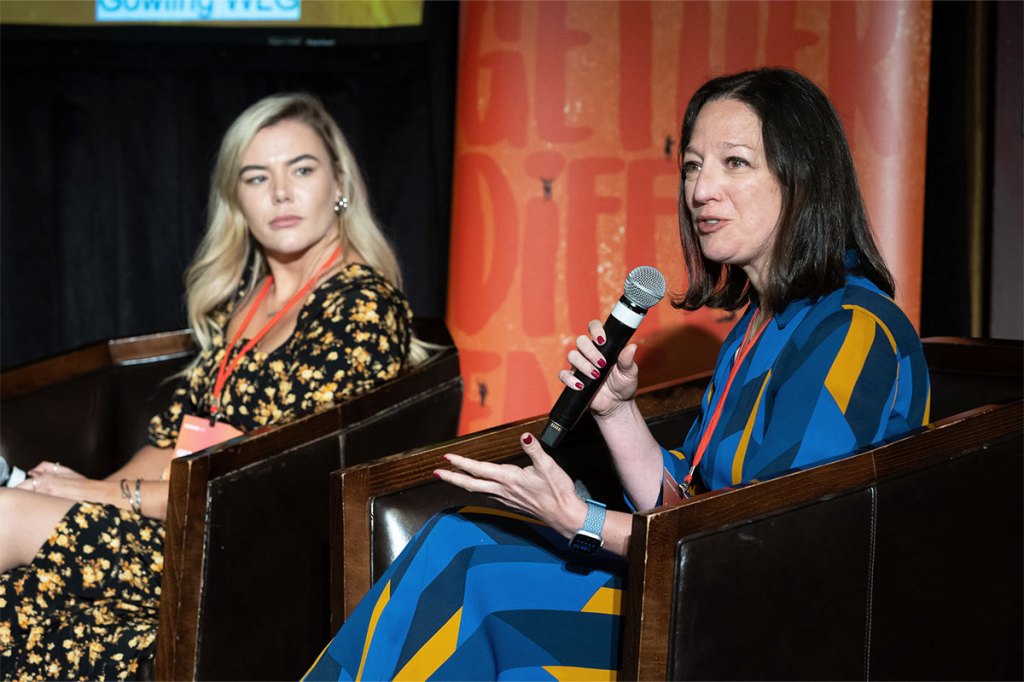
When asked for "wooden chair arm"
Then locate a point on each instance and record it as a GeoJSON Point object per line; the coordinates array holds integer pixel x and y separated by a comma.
{"type": "Point", "coordinates": [60, 368]}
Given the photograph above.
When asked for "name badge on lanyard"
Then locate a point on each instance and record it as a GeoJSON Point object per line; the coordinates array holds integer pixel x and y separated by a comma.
{"type": "Point", "coordinates": [198, 434]}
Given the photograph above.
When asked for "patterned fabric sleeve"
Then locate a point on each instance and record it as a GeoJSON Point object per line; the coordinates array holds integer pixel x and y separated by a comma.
{"type": "Point", "coordinates": [358, 339]}
{"type": "Point", "coordinates": [851, 379]}
{"type": "Point", "coordinates": [855, 381]}
{"type": "Point", "coordinates": [163, 427]}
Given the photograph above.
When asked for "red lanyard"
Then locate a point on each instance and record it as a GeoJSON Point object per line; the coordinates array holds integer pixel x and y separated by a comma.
{"type": "Point", "coordinates": [225, 370]}
{"type": "Point", "coordinates": [705, 438]}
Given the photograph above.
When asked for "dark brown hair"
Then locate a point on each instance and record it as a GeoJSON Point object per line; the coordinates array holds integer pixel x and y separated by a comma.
{"type": "Point", "coordinates": [822, 212]}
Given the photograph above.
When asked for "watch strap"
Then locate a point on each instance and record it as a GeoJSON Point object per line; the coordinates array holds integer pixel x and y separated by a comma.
{"type": "Point", "coordinates": [594, 522]}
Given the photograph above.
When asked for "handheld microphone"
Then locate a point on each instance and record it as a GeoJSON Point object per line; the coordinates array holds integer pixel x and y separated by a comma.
{"type": "Point", "coordinates": [644, 287]}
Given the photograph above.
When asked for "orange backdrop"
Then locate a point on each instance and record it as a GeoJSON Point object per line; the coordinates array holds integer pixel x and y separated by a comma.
{"type": "Point", "coordinates": [566, 177]}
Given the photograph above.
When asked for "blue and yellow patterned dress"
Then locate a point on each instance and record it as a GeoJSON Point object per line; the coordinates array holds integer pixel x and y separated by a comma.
{"type": "Point", "coordinates": [481, 594]}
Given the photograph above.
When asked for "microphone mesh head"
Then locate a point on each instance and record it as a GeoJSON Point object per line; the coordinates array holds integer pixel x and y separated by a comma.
{"type": "Point", "coordinates": [645, 286]}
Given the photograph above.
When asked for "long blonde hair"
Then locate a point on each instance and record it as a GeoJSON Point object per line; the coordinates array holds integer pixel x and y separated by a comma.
{"type": "Point", "coordinates": [227, 247]}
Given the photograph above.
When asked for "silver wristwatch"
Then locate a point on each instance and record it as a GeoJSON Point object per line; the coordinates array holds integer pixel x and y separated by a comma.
{"type": "Point", "coordinates": [588, 538]}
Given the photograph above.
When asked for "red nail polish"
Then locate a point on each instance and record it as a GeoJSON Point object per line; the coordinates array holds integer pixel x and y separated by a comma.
{"type": "Point", "coordinates": [445, 458]}
{"type": "Point", "coordinates": [600, 340]}
{"type": "Point", "coordinates": [528, 439]}
{"type": "Point", "coordinates": [595, 374]}
{"type": "Point", "coordinates": [436, 474]}
{"type": "Point", "coordinates": [579, 385]}
{"type": "Point", "coordinates": [601, 362]}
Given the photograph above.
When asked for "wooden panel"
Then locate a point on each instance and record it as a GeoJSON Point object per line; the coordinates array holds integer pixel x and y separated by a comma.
{"type": "Point", "coordinates": [985, 357]}
{"type": "Point", "coordinates": [183, 569]}
{"type": "Point", "coordinates": [152, 346]}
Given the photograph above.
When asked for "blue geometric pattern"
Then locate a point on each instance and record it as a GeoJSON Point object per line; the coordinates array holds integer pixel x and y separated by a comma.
{"type": "Point", "coordinates": [482, 594]}
{"type": "Point", "coordinates": [825, 379]}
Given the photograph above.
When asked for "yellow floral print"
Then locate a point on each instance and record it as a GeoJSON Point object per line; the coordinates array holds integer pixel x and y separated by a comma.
{"type": "Point", "coordinates": [86, 608]}
{"type": "Point", "coordinates": [352, 334]}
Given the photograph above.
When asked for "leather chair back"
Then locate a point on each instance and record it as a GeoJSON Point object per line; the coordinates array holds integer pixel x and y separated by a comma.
{"type": "Point", "coordinates": [89, 408]}
{"type": "Point", "coordinates": [968, 373]}
{"type": "Point", "coordinates": [245, 593]}
{"type": "Point", "coordinates": [903, 562]}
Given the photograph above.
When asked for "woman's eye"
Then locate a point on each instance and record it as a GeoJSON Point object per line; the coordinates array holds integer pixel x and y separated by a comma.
{"type": "Point", "coordinates": [254, 179]}
{"type": "Point", "coordinates": [736, 162]}
{"type": "Point", "coordinates": [690, 167]}
{"type": "Point", "coordinates": [304, 170]}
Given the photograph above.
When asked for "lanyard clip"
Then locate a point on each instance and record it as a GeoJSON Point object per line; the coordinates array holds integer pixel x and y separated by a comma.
{"type": "Point", "coordinates": [686, 487]}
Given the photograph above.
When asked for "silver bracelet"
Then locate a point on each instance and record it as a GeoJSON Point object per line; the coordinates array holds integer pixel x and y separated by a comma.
{"type": "Point", "coordinates": [125, 492]}
{"type": "Point", "coordinates": [137, 500]}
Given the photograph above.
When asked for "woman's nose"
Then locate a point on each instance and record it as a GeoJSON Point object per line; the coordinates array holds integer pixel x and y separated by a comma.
{"type": "Point", "coordinates": [282, 191]}
{"type": "Point", "coordinates": [705, 186]}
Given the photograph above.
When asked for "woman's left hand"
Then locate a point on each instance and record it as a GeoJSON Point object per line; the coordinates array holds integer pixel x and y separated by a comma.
{"type": "Point", "coordinates": [71, 487]}
{"type": "Point", "coordinates": [542, 489]}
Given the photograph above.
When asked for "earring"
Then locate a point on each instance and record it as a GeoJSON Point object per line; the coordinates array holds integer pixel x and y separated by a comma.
{"type": "Point", "coordinates": [341, 205]}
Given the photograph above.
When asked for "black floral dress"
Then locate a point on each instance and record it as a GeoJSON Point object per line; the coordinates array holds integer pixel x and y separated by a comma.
{"type": "Point", "coordinates": [86, 607]}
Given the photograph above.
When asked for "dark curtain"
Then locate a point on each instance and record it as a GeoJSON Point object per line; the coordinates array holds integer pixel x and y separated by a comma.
{"type": "Point", "coordinates": [108, 137]}
{"type": "Point", "coordinates": [945, 290]}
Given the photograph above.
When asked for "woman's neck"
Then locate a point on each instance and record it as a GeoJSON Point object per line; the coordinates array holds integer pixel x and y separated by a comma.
{"type": "Point", "coordinates": [758, 320]}
{"type": "Point", "coordinates": [291, 275]}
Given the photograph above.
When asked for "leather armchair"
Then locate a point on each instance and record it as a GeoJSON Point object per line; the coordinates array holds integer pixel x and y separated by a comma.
{"type": "Point", "coordinates": [856, 568]}
{"type": "Point", "coordinates": [245, 590]}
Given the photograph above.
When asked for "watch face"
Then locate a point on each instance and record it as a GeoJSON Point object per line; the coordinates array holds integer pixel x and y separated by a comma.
{"type": "Point", "coordinates": [585, 542]}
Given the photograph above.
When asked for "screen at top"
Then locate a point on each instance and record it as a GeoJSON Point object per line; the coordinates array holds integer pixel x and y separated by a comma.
{"type": "Point", "coordinates": [225, 13]}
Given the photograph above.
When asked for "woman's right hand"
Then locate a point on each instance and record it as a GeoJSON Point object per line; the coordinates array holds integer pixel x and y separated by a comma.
{"type": "Point", "coordinates": [621, 384]}
{"type": "Point", "coordinates": [48, 468]}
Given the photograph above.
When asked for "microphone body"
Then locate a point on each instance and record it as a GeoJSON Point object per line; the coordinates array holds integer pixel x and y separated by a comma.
{"type": "Point", "coordinates": [619, 327]}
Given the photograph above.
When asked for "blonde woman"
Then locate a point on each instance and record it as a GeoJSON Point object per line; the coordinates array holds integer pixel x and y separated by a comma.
{"type": "Point", "coordinates": [294, 299]}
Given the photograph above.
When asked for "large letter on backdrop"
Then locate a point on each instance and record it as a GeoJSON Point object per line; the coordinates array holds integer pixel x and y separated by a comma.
{"type": "Point", "coordinates": [566, 175]}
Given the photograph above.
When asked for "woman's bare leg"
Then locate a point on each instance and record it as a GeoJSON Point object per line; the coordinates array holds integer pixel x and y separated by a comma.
{"type": "Point", "coordinates": [27, 520]}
